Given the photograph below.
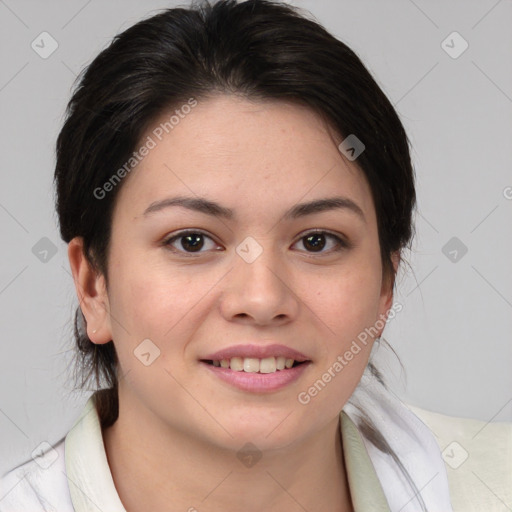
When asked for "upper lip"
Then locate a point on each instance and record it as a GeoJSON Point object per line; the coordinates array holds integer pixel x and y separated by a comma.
{"type": "Point", "coordinates": [257, 351]}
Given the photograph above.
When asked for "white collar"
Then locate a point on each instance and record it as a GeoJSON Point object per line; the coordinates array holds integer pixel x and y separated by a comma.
{"type": "Point", "coordinates": [412, 442]}
{"type": "Point", "coordinates": [92, 487]}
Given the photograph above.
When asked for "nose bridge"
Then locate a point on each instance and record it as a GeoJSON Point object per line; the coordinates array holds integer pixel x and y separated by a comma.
{"type": "Point", "coordinates": [257, 265]}
{"type": "Point", "coordinates": [258, 285]}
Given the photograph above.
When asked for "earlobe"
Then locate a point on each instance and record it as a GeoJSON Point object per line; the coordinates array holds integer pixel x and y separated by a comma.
{"type": "Point", "coordinates": [387, 288]}
{"type": "Point", "coordinates": [389, 283]}
{"type": "Point", "coordinates": [92, 293]}
{"type": "Point", "coordinates": [395, 259]}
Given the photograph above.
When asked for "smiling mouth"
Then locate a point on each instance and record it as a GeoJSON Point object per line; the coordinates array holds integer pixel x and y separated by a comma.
{"type": "Point", "coordinates": [255, 365]}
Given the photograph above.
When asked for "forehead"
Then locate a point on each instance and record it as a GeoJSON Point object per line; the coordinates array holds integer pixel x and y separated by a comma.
{"type": "Point", "coordinates": [243, 153]}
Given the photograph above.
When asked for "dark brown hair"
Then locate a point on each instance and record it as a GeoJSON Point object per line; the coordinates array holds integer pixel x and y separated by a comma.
{"type": "Point", "coordinates": [260, 49]}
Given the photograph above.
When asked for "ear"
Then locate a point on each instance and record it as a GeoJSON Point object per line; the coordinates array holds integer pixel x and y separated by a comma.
{"type": "Point", "coordinates": [386, 295]}
{"type": "Point", "coordinates": [92, 293]}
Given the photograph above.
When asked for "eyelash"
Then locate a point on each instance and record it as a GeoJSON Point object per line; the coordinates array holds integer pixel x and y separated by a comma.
{"type": "Point", "coordinates": [342, 244]}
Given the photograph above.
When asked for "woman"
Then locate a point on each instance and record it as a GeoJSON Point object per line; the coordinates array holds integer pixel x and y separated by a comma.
{"type": "Point", "coordinates": [235, 191]}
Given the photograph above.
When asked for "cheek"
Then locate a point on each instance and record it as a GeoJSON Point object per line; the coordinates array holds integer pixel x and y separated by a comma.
{"type": "Point", "coordinates": [349, 307]}
{"type": "Point", "coordinates": [136, 297]}
{"type": "Point", "coordinates": [155, 302]}
{"type": "Point", "coordinates": [351, 302]}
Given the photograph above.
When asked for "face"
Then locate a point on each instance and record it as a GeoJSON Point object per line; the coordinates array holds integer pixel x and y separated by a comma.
{"type": "Point", "coordinates": [253, 270]}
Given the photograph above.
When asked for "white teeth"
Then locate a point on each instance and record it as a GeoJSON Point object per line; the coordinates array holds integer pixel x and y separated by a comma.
{"type": "Point", "coordinates": [237, 364]}
{"type": "Point", "coordinates": [255, 365]}
{"type": "Point", "coordinates": [268, 365]}
{"type": "Point", "coordinates": [251, 364]}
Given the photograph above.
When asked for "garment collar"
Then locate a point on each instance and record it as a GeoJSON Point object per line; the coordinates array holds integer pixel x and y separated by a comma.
{"type": "Point", "coordinates": [402, 449]}
{"type": "Point", "coordinates": [92, 487]}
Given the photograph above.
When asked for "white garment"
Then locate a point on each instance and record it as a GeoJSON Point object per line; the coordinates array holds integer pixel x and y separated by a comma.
{"type": "Point", "coordinates": [410, 440]}
{"type": "Point", "coordinates": [478, 456]}
{"type": "Point", "coordinates": [74, 476]}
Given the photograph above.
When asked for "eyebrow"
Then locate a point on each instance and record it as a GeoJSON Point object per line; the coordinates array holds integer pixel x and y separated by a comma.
{"type": "Point", "coordinates": [203, 205]}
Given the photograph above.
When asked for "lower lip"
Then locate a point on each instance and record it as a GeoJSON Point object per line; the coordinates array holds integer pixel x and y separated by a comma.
{"type": "Point", "coordinates": [258, 382]}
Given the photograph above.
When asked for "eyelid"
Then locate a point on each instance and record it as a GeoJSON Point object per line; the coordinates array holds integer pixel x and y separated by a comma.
{"type": "Point", "coordinates": [323, 231]}
{"type": "Point", "coordinates": [166, 242]}
{"type": "Point", "coordinates": [340, 239]}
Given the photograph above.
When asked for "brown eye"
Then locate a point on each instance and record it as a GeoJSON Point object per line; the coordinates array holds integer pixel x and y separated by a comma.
{"type": "Point", "coordinates": [193, 242]}
{"type": "Point", "coordinates": [315, 242]}
{"type": "Point", "coordinates": [188, 242]}
{"type": "Point", "coordinates": [318, 240]}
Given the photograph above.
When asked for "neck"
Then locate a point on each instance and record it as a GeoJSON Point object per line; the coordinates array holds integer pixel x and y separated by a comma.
{"type": "Point", "coordinates": [157, 468]}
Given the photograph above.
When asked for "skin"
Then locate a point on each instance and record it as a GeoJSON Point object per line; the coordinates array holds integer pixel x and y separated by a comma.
{"type": "Point", "coordinates": [175, 443]}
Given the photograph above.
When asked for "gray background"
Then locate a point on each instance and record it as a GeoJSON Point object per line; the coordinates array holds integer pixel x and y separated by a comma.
{"type": "Point", "coordinates": [453, 334]}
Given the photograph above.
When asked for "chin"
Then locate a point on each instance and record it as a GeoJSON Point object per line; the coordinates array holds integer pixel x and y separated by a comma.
{"type": "Point", "coordinates": [272, 433]}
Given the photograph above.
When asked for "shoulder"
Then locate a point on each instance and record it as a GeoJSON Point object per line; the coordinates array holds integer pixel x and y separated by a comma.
{"type": "Point", "coordinates": [478, 459]}
{"type": "Point", "coordinates": [38, 485]}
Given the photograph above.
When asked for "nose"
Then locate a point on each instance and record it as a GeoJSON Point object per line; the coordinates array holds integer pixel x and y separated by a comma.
{"type": "Point", "coordinates": [259, 292]}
